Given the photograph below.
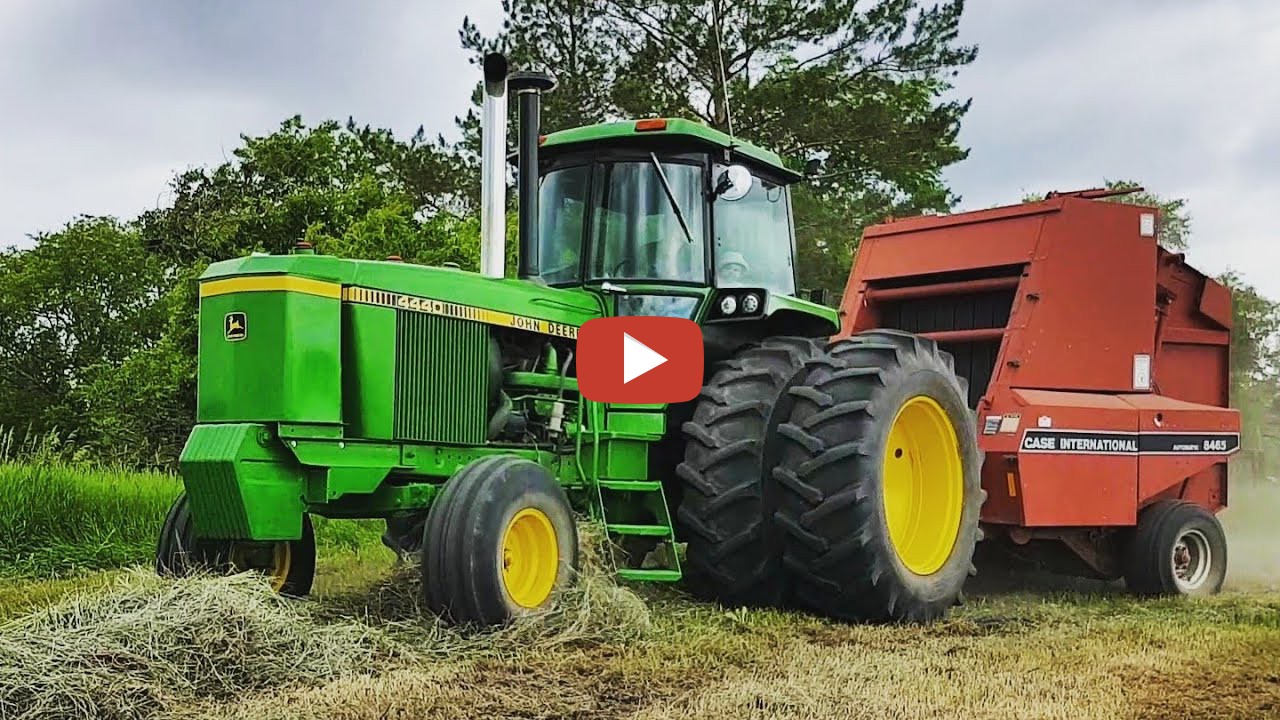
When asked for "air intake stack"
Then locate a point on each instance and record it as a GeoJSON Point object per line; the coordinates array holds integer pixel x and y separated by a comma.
{"type": "Point", "coordinates": [528, 87]}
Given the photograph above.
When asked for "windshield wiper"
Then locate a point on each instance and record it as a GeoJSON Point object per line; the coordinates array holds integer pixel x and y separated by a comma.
{"type": "Point", "coordinates": [671, 197]}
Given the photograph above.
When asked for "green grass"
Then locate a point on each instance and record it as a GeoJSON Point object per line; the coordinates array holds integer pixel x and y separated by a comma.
{"type": "Point", "coordinates": [60, 520]}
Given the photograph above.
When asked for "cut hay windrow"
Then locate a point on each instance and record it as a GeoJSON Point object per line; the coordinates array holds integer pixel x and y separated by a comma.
{"type": "Point", "coordinates": [149, 647]}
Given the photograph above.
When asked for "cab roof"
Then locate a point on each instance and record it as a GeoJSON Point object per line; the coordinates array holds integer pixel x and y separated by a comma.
{"type": "Point", "coordinates": [673, 128]}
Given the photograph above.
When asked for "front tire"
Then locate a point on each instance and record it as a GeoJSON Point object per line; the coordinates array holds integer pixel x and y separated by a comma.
{"type": "Point", "coordinates": [289, 565]}
{"type": "Point", "coordinates": [1177, 548]}
{"type": "Point", "coordinates": [879, 475]}
{"type": "Point", "coordinates": [732, 556]}
{"type": "Point", "coordinates": [499, 543]}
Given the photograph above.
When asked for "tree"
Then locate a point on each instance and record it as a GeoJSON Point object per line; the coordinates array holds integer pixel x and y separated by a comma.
{"type": "Point", "coordinates": [859, 84]}
{"type": "Point", "coordinates": [85, 295]}
{"type": "Point", "coordinates": [104, 338]}
{"type": "Point", "coordinates": [348, 188]}
{"type": "Point", "coordinates": [1255, 369]}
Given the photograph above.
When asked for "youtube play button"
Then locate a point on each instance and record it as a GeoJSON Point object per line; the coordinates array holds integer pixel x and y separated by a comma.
{"type": "Point", "coordinates": [640, 360]}
{"type": "Point", "coordinates": [637, 358]}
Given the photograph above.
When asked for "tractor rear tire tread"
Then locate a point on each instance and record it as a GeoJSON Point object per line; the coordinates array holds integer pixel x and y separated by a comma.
{"type": "Point", "coordinates": [731, 556]}
{"type": "Point", "coordinates": [835, 546]}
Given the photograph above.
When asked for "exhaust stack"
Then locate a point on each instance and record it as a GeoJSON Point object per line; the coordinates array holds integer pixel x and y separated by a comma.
{"type": "Point", "coordinates": [493, 170]}
{"type": "Point", "coordinates": [528, 87]}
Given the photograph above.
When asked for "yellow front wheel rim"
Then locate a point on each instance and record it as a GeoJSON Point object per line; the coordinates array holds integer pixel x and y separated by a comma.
{"type": "Point", "coordinates": [530, 558]}
{"type": "Point", "coordinates": [923, 485]}
{"type": "Point", "coordinates": [274, 562]}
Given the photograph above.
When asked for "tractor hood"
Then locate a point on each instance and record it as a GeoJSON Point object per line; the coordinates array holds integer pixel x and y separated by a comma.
{"type": "Point", "coordinates": [434, 290]}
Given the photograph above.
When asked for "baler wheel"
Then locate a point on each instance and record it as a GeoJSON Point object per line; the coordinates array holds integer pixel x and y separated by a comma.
{"type": "Point", "coordinates": [1177, 548]}
{"type": "Point", "coordinates": [499, 542]}
{"type": "Point", "coordinates": [878, 469]}
{"type": "Point", "coordinates": [290, 565]}
{"type": "Point", "coordinates": [732, 555]}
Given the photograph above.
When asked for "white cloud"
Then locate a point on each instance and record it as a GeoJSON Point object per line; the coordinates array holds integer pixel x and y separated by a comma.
{"type": "Point", "coordinates": [103, 102]}
{"type": "Point", "coordinates": [1180, 96]}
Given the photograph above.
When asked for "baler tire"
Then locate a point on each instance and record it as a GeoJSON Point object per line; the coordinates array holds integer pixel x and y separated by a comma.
{"type": "Point", "coordinates": [831, 466]}
{"type": "Point", "coordinates": [179, 553]}
{"type": "Point", "coordinates": [468, 537]}
{"type": "Point", "coordinates": [732, 554]}
{"type": "Point", "coordinates": [1149, 564]}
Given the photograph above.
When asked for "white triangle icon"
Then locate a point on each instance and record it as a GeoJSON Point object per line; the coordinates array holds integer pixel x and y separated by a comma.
{"type": "Point", "coordinates": [637, 358]}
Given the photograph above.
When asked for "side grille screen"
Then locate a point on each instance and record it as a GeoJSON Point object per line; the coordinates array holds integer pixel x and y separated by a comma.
{"type": "Point", "coordinates": [951, 312]}
{"type": "Point", "coordinates": [441, 379]}
{"type": "Point", "coordinates": [975, 361]}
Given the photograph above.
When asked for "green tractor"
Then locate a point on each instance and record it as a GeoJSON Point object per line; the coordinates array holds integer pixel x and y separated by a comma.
{"type": "Point", "coordinates": [841, 478]}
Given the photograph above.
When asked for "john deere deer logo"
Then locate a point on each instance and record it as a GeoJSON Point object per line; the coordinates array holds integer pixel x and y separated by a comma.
{"type": "Point", "coordinates": [235, 326]}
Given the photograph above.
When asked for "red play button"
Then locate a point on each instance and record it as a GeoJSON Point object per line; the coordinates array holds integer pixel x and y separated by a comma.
{"type": "Point", "coordinates": [640, 360]}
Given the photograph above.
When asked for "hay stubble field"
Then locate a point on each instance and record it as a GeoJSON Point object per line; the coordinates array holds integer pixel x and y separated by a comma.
{"type": "Point", "coordinates": [93, 640]}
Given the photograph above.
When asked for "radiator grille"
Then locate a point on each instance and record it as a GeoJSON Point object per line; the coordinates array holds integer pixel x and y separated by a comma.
{"type": "Point", "coordinates": [441, 379]}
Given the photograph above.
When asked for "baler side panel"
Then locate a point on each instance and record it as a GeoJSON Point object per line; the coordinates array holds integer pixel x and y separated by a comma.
{"type": "Point", "coordinates": [1196, 472]}
{"type": "Point", "coordinates": [934, 246]}
{"type": "Point", "coordinates": [1093, 277]}
{"type": "Point", "coordinates": [950, 248]}
{"type": "Point", "coordinates": [1192, 362]}
{"type": "Point", "coordinates": [1062, 487]}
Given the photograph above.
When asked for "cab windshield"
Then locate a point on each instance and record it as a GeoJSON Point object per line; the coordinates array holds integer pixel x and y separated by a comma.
{"type": "Point", "coordinates": [635, 232]}
{"type": "Point", "coordinates": [626, 217]}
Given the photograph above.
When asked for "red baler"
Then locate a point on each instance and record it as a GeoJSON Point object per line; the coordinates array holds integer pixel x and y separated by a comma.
{"type": "Point", "coordinates": [1097, 364]}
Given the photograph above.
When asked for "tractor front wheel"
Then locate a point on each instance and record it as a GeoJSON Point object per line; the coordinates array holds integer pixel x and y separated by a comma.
{"type": "Point", "coordinates": [879, 475]}
{"type": "Point", "coordinates": [289, 565]}
{"type": "Point", "coordinates": [1178, 548]}
{"type": "Point", "coordinates": [499, 542]}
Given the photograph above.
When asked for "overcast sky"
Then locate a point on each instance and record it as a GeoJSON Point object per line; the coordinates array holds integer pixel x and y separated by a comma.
{"type": "Point", "coordinates": [102, 102]}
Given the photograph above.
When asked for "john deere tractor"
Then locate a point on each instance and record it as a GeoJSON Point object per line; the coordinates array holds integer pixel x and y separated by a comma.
{"type": "Point", "coordinates": [842, 478]}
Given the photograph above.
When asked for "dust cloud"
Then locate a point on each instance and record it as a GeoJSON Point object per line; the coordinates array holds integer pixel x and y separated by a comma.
{"type": "Point", "coordinates": [1252, 523]}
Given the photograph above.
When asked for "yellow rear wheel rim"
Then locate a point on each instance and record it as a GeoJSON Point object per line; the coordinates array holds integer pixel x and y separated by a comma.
{"type": "Point", "coordinates": [923, 485]}
{"type": "Point", "coordinates": [244, 558]}
{"type": "Point", "coordinates": [530, 558]}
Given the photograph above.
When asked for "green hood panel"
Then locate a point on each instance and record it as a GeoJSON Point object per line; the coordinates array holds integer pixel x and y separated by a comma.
{"type": "Point", "coordinates": [404, 282]}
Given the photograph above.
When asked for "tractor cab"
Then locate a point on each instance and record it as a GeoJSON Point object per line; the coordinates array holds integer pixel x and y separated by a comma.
{"type": "Point", "coordinates": [664, 214]}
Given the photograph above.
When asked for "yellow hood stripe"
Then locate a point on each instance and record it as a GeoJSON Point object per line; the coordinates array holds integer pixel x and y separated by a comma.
{"type": "Point", "coordinates": [271, 283]}
{"type": "Point", "coordinates": [368, 296]}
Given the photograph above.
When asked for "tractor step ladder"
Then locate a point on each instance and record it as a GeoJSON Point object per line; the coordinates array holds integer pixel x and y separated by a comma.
{"type": "Point", "coordinates": [662, 529]}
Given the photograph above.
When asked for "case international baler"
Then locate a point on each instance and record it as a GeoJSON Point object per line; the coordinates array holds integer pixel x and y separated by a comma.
{"type": "Point", "coordinates": [1098, 367]}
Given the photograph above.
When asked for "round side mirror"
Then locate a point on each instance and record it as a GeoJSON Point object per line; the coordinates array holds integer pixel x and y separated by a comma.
{"type": "Point", "coordinates": [734, 183]}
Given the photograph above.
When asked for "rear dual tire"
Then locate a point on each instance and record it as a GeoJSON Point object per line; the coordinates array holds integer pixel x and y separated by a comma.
{"type": "Point", "coordinates": [878, 476]}
{"type": "Point", "coordinates": [732, 554]}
